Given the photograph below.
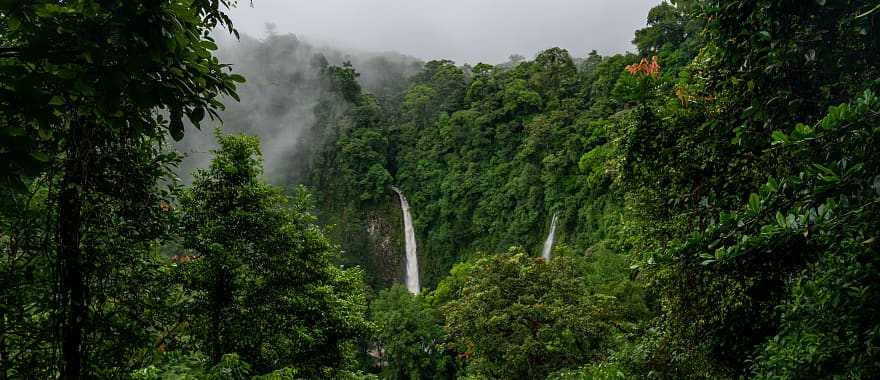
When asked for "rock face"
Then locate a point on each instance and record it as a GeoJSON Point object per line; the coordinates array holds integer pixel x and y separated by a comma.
{"type": "Point", "coordinates": [385, 248]}
{"type": "Point", "coordinates": [371, 238]}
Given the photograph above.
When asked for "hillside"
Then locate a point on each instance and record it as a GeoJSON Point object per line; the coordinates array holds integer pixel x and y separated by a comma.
{"type": "Point", "coordinates": [184, 201]}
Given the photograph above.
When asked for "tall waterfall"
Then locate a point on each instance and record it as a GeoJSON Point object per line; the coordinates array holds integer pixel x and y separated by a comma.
{"type": "Point", "coordinates": [551, 237]}
{"type": "Point", "coordinates": [412, 259]}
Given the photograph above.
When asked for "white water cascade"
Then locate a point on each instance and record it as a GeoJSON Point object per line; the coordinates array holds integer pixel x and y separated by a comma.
{"type": "Point", "coordinates": [551, 237]}
{"type": "Point", "coordinates": [412, 259]}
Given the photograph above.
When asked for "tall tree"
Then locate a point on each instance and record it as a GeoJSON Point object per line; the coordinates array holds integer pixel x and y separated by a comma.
{"type": "Point", "coordinates": [262, 273]}
{"type": "Point", "coordinates": [77, 76]}
{"type": "Point", "coordinates": [518, 317]}
{"type": "Point", "coordinates": [710, 160]}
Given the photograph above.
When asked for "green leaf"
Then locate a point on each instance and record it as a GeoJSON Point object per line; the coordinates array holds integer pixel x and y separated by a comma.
{"type": "Point", "coordinates": [210, 45]}
{"type": "Point", "coordinates": [830, 178]}
{"type": "Point", "coordinates": [44, 133]}
{"type": "Point", "coordinates": [825, 171]}
{"type": "Point", "coordinates": [197, 115]}
{"type": "Point", "coordinates": [56, 101]}
{"type": "Point", "coordinates": [802, 131]}
{"type": "Point", "coordinates": [772, 185]}
{"type": "Point", "coordinates": [40, 156]}
{"type": "Point", "coordinates": [176, 125]}
{"type": "Point", "coordinates": [779, 137]}
{"type": "Point", "coordinates": [236, 78]}
{"type": "Point", "coordinates": [13, 23]}
{"type": "Point", "coordinates": [754, 203]}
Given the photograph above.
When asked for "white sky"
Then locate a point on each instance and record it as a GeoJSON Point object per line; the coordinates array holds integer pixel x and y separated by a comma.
{"type": "Point", "coordinates": [466, 31]}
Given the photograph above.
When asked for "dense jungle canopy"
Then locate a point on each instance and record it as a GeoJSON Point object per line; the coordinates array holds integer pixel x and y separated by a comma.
{"type": "Point", "coordinates": [182, 201]}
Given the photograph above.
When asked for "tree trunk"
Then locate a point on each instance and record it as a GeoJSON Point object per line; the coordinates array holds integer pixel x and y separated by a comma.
{"type": "Point", "coordinates": [73, 292]}
{"type": "Point", "coordinates": [219, 303]}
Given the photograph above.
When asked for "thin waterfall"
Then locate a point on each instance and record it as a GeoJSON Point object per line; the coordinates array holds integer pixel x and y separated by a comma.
{"type": "Point", "coordinates": [551, 237]}
{"type": "Point", "coordinates": [412, 259]}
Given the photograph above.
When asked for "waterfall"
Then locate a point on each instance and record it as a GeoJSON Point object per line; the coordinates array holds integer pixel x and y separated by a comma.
{"type": "Point", "coordinates": [412, 259]}
{"type": "Point", "coordinates": [548, 244]}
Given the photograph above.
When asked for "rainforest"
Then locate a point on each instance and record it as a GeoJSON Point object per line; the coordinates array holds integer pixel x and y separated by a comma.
{"type": "Point", "coordinates": [182, 200]}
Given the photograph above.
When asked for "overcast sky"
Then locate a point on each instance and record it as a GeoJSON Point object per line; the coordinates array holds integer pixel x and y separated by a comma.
{"type": "Point", "coordinates": [466, 31]}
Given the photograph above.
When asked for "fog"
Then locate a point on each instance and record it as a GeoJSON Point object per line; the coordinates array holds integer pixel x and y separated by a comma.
{"type": "Point", "coordinates": [279, 99]}
{"type": "Point", "coordinates": [466, 31]}
{"type": "Point", "coordinates": [386, 41]}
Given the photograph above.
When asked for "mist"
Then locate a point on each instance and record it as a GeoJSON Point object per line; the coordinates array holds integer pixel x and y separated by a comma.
{"type": "Point", "coordinates": [386, 41]}
{"type": "Point", "coordinates": [279, 98]}
{"type": "Point", "coordinates": [466, 31]}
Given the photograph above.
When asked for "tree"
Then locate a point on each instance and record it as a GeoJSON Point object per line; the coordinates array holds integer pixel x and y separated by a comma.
{"type": "Point", "coordinates": [78, 77]}
{"type": "Point", "coordinates": [262, 274]}
{"type": "Point", "coordinates": [670, 26]}
{"type": "Point", "coordinates": [518, 317]}
{"type": "Point", "coordinates": [410, 336]}
{"type": "Point", "coordinates": [710, 160]}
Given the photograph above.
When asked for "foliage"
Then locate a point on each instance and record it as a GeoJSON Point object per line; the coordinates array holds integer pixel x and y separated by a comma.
{"type": "Point", "coordinates": [261, 270]}
{"type": "Point", "coordinates": [410, 336]}
{"type": "Point", "coordinates": [709, 159]}
{"type": "Point", "coordinates": [519, 317]}
{"type": "Point", "coordinates": [106, 62]}
{"type": "Point", "coordinates": [89, 91]}
{"type": "Point", "coordinates": [736, 180]}
{"type": "Point", "coordinates": [716, 196]}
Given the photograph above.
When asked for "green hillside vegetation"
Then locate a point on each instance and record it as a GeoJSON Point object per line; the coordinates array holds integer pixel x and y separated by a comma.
{"type": "Point", "coordinates": [717, 194]}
